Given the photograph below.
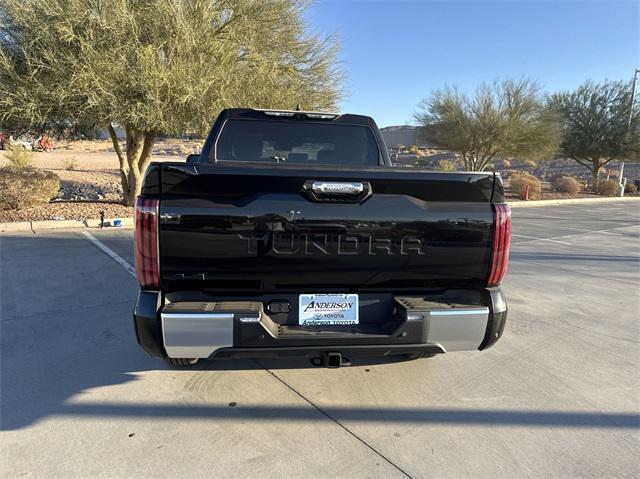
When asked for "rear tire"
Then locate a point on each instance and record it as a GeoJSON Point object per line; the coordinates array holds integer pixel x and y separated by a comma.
{"type": "Point", "coordinates": [181, 362]}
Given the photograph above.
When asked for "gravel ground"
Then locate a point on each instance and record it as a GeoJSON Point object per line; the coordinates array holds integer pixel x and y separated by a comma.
{"type": "Point", "coordinates": [81, 185]}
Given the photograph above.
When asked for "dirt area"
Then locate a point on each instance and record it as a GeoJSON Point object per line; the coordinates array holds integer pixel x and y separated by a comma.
{"type": "Point", "coordinates": [97, 156]}
{"type": "Point", "coordinates": [89, 179]}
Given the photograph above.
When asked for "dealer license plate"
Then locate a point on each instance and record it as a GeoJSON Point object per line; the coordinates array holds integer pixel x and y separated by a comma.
{"type": "Point", "coordinates": [327, 309]}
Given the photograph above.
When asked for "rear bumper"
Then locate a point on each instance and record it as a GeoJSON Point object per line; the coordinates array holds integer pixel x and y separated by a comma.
{"type": "Point", "coordinates": [243, 330]}
{"type": "Point", "coordinates": [312, 352]}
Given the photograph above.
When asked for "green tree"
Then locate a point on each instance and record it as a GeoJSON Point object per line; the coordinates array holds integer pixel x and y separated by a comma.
{"type": "Point", "coordinates": [505, 119]}
{"type": "Point", "coordinates": [157, 66]}
{"type": "Point", "coordinates": [595, 120]}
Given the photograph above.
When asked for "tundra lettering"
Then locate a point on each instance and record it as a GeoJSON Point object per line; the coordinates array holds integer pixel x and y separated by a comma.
{"type": "Point", "coordinates": [328, 244]}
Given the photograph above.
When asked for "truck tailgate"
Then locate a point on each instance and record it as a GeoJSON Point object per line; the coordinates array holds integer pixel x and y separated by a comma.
{"type": "Point", "coordinates": [246, 227]}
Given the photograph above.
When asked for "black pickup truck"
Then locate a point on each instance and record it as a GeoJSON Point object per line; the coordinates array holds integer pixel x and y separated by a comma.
{"type": "Point", "coordinates": [291, 235]}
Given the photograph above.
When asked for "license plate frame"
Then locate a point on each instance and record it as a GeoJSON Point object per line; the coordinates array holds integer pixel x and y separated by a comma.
{"type": "Point", "coordinates": [328, 309]}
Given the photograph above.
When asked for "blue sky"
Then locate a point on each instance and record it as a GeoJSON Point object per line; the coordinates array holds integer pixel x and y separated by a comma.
{"type": "Point", "coordinates": [395, 52]}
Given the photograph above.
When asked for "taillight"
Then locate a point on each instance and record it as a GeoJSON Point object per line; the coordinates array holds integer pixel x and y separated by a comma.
{"type": "Point", "coordinates": [146, 242]}
{"type": "Point", "coordinates": [500, 248]}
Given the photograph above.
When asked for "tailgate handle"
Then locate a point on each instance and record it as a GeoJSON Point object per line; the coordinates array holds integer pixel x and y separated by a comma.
{"type": "Point", "coordinates": [336, 191]}
{"type": "Point", "coordinates": [337, 187]}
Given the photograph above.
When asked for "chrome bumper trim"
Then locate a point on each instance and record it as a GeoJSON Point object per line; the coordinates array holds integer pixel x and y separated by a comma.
{"type": "Point", "coordinates": [457, 329]}
{"type": "Point", "coordinates": [196, 335]}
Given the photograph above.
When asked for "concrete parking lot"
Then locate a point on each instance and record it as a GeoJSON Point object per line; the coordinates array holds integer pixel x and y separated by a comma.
{"type": "Point", "coordinates": [558, 396]}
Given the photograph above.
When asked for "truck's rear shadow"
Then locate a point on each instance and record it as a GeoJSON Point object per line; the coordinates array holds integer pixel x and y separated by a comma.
{"type": "Point", "coordinates": [452, 416]}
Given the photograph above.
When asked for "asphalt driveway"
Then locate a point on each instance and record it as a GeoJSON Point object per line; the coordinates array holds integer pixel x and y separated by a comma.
{"type": "Point", "coordinates": [558, 396]}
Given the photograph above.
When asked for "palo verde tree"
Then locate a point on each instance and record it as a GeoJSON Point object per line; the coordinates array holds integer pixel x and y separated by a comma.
{"type": "Point", "coordinates": [599, 126]}
{"type": "Point", "coordinates": [506, 119]}
{"type": "Point", "coordinates": [157, 66]}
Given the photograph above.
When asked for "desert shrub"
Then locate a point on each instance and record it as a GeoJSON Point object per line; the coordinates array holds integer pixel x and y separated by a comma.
{"type": "Point", "coordinates": [553, 179]}
{"type": "Point", "coordinates": [518, 180]}
{"type": "Point", "coordinates": [19, 157]}
{"type": "Point", "coordinates": [609, 188]}
{"type": "Point", "coordinates": [70, 164]}
{"type": "Point", "coordinates": [448, 165]}
{"type": "Point", "coordinates": [630, 187]}
{"type": "Point", "coordinates": [566, 184]}
{"type": "Point", "coordinates": [184, 149]}
{"type": "Point", "coordinates": [25, 187]}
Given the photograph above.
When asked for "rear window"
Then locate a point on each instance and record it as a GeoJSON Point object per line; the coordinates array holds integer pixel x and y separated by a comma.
{"type": "Point", "coordinates": [276, 141]}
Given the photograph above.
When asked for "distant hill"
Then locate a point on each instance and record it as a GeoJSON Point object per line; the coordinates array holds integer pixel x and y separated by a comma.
{"type": "Point", "coordinates": [406, 135]}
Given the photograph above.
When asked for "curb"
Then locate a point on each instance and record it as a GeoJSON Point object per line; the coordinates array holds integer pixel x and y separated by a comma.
{"type": "Point", "coordinates": [35, 226]}
{"type": "Point", "coordinates": [574, 201]}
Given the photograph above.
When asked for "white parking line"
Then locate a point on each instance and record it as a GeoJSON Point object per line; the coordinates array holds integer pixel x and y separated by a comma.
{"type": "Point", "coordinates": [541, 239]}
{"type": "Point", "coordinates": [542, 225]}
{"type": "Point", "coordinates": [555, 239]}
{"type": "Point", "coordinates": [110, 253]}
